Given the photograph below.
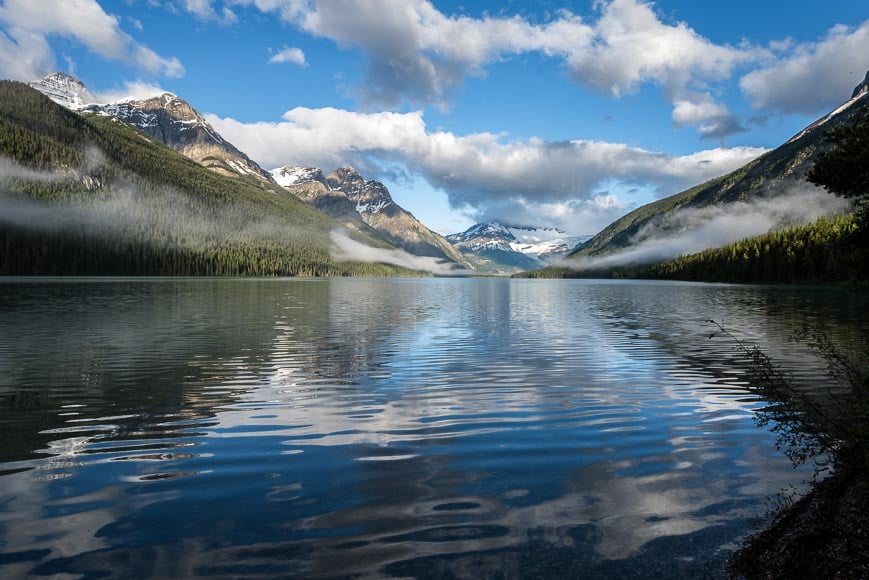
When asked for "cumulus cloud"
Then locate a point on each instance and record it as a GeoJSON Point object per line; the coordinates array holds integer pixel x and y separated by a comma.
{"type": "Point", "coordinates": [689, 231]}
{"type": "Point", "coordinates": [713, 120]}
{"type": "Point", "coordinates": [631, 45]}
{"type": "Point", "coordinates": [813, 76]}
{"type": "Point", "coordinates": [24, 56]}
{"type": "Point", "coordinates": [290, 55]}
{"type": "Point", "coordinates": [581, 216]}
{"type": "Point", "coordinates": [25, 25]}
{"type": "Point", "coordinates": [496, 176]}
{"type": "Point", "coordinates": [418, 54]}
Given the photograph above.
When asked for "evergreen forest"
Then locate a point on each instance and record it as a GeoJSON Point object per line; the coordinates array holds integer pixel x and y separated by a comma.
{"type": "Point", "coordinates": [90, 195]}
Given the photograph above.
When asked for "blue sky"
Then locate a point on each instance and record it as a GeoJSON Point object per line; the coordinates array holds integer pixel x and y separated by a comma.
{"type": "Point", "coordinates": [555, 113]}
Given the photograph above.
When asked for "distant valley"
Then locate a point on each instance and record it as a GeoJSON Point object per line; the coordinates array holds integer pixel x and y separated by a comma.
{"type": "Point", "coordinates": [760, 188]}
{"type": "Point", "coordinates": [506, 249]}
{"type": "Point", "coordinates": [88, 193]}
{"type": "Point", "coordinates": [347, 201]}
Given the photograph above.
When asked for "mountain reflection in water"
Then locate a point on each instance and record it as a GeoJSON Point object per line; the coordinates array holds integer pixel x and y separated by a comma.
{"type": "Point", "coordinates": [420, 428]}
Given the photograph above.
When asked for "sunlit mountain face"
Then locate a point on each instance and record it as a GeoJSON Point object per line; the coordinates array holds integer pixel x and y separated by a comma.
{"type": "Point", "coordinates": [499, 248]}
{"type": "Point", "coordinates": [429, 289]}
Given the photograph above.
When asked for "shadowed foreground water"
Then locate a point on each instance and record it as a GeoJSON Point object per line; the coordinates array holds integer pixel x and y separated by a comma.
{"type": "Point", "coordinates": [368, 428]}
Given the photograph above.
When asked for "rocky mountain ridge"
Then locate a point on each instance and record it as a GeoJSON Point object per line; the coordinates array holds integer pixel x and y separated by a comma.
{"type": "Point", "coordinates": [345, 195]}
{"type": "Point", "coordinates": [174, 122]}
{"type": "Point", "coordinates": [167, 118]}
{"type": "Point", "coordinates": [506, 248]}
{"type": "Point", "coordinates": [112, 201]}
{"type": "Point", "coordinates": [65, 90]}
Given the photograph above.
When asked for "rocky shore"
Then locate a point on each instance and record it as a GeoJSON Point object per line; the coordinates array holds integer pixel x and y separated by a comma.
{"type": "Point", "coordinates": [823, 535]}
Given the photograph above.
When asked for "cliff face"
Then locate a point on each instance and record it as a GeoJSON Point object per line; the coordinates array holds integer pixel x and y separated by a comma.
{"type": "Point", "coordinates": [345, 194]}
{"type": "Point", "coordinates": [65, 90]}
{"type": "Point", "coordinates": [166, 118]}
{"type": "Point", "coordinates": [172, 121]}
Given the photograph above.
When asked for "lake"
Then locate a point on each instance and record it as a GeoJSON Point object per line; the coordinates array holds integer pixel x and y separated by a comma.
{"type": "Point", "coordinates": [440, 428]}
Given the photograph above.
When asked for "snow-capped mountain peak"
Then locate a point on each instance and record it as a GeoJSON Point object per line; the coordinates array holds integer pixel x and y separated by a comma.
{"type": "Point", "coordinates": [484, 236]}
{"type": "Point", "coordinates": [167, 118]}
{"type": "Point", "coordinates": [65, 90]}
{"type": "Point", "coordinates": [369, 196]}
{"type": "Point", "coordinates": [538, 245]}
{"type": "Point", "coordinates": [289, 175]}
{"type": "Point", "coordinates": [345, 195]}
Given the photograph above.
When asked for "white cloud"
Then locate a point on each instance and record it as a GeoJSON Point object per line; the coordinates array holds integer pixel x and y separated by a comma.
{"type": "Point", "coordinates": [495, 176]}
{"type": "Point", "coordinates": [418, 54]}
{"type": "Point", "coordinates": [713, 120]}
{"type": "Point", "coordinates": [25, 53]}
{"type": "Point", "coordinates": [632, 46]}
{"type": "Point", "coordinates": [688, 231]}
{"type": "Point", "coordinates": [205, 10]}
{"type": "Point", "coordinates": [290, 55]}
{"type": "Point", "coordinates": [139, 90]}
{"type": "Point", "coordinates": [691, 112]}
{"type": "Point", "coordinates": [813, 76]}
{"type": "Point", "coordinates": [344, 248]}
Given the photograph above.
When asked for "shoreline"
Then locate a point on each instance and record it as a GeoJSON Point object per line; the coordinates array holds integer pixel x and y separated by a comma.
{"type": "Point", "coordinates": [824, 534]}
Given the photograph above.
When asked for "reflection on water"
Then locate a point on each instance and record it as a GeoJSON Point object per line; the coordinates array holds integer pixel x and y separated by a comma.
{"type": "Point", "coordinates": [417, 428]}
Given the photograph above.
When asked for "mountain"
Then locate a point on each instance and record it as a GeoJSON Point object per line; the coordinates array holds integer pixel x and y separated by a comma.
{"type": "Point", "coordinates": [505, 249]}
{"type": "Point", "coordinates": [65, 90]}
{"type": "Point", "coordinates": [88, 194]}
{"type": "Point", "coordinates": [345, 195]}
{"type": "Point", "coordinates": [167, 118]}
{"type": "Point", "coordinates": [172, 121]}
{"type": "Point", "coordinates": [765, 177]}
{"type": "Point", "coordinates": [310, 185]}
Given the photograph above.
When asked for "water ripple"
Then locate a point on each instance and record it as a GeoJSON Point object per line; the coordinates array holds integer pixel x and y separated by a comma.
{"type": "Point", "coordinates": [323, 428]}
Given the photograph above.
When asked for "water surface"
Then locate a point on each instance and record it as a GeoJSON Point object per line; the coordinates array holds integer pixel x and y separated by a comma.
{"type": "Point", "coordinates": [367, 428]}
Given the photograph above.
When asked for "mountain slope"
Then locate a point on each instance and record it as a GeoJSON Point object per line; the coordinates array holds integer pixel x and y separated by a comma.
{"type": "Point", "coordinates": [766, 176]}
{"type": "Point", "coordinates": [496, 248]}
{"type": "Point", "coordinates": [172, 121]}
{"type": "Point", "coordinates": [167, 118]}
{"type": "Point", "coordinates": [65, 90]}
{"type": "Point", "coordinates": [310, 185]}
{"type": "Point", "coordinates": [345, 195]}
{"type": "Point", "coordinates": [88, 194]}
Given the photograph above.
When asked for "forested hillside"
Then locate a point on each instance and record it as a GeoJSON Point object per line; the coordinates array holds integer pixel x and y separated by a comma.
{"type": "Point", "coordinates": [92, 195]}
{"type": "Point", "coordinates": [832, 153]}
{"type": "Point", "coordinates": [772, 174]}
{"type": "Point", "coordinates": [826, 251]}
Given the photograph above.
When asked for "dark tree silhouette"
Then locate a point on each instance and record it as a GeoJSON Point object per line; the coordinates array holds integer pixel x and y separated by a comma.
{"type": "Point", "coordinates": [844, 170]}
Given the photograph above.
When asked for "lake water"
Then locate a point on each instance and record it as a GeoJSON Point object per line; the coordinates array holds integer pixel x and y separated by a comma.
{"type": "Point", "coordinates": [472, 428]}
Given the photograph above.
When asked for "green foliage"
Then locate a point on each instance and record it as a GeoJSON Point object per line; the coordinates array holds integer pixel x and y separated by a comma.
{"type": "Point", "coordinates": [844, 170]}
{"type": "Point", "coordinates": [790, 161]}
{"type": "Point", "coordinates": [830, 250]}
{"type": "Point", "coordinates": [826, 251]}
{"type": "Point", "coordinates": [619, 233]}
{"type": "Point", "coordinates": [828, 426]}
{"type": "Point", "coordinates": [109, 200]}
